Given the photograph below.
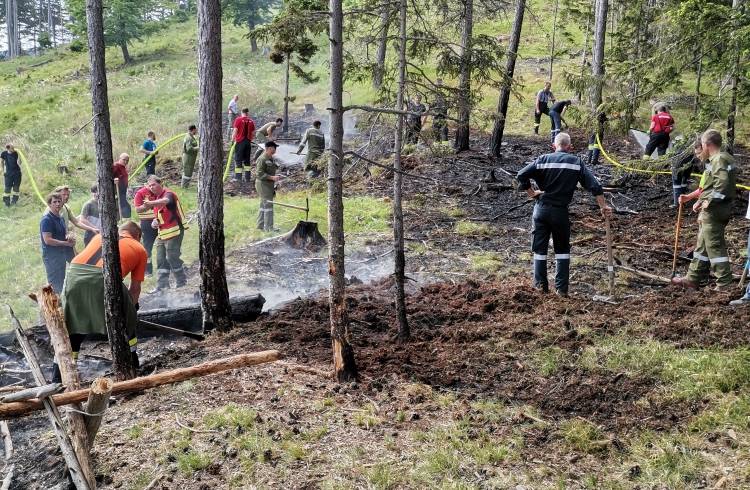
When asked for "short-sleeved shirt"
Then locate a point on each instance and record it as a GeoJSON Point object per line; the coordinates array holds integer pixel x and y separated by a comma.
{"type": "Point", "coordinates": [245, 128]}
{"type": "Point", "coordinates": [90, 211]}
{"type": "Point", "coordinates": [559, 106]}
{"type": "Point", "coordinates": [544, 96]}
{"type": "Point", "coordinates": [67, 216]}
{"type": "Point", "coordinates": [55, 225]}
{"type": "Point", "coordinates": [149, 145]}
{"type": "Point", "coordinates": [143, 195]}
{"type": "Point", "coordinates": [133, 256]}
{"type": "Point", "coordinates": [232, 107]}
{"type": "Point", "coordinates": [10, 160]}
{"type": "Point", "coordinates": [120, 172]}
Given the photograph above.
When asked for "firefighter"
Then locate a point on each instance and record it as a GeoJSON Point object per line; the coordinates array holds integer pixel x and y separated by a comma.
{"type": "Point", "coordinates": [556, 114]}
{"type": "Point", "coordinates": [592, 157]}
{"type": "Point", "coordinates": [232, 111]}
{"type": "Point", "coordinates": [83, 294]}
{"type": "Point", "coordinates": [414, 119]}
{"type": "Point", "coordinates": [243, 134]}
{"type": "Point", "coordinates": [146, 216]}
{"type": "Point", "coordinates": [189, 155]}
{"type": "Point", "coordinates": [661, 125]}
{"type": "Point", "coordinates": [169, 218]}
{"type": "Point", "coordinates": [440, 108]}
{"type": "Point", "coordinates": [265, 182]}
{"type": "Point", "coordinates": [682, 168]}
{"type": "Point", "coordinates": [316, 145]}
{"type": "Point", "coordinates": [11, 175]}
{"type": "Point", "coordinates": [121, 175]}
{"type": "Point", "coordinates": [543, 98]}
{"type": "Point", "coordinates": [557, 175]}
{"type": "Point", "coordinates": [715, 195]}
{"type": "Point", "coordinates": [266, 133]}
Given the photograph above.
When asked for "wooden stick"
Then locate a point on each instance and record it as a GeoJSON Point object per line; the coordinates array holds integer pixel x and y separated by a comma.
{"type": "Point", "coordinates": [58, 336]}
{"type": "Point", "coordinates": [15, 409]}
{"type": "Point", "coordinates": [647, 275]}
{"type": "Point", "coordinates": [676, 238]}
{"type": "Point", "coordinates": [74, 467]}
{"type": "Point", "coordinates": [29, 393]}
{"type": "Point", "coordinates": [5, 433]}
{"type": "Point", "coordinates": [96, 406]}
{"type": "Point", "coordinates": [610, 259]}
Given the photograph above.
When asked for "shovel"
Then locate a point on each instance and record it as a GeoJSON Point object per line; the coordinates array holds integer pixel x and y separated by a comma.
{"type": "Point", "coordinates": [305, 234]}
{"type": "Point", "coordinates": [744, 273]}
{"type": "Point", "coordinates": [676, 239]}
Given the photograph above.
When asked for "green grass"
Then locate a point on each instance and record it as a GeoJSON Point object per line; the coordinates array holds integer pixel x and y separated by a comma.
{"type": "Point", "coordinates": [471, 228]}
{"type": "Point", "coordinates": [193, 461]}
{"type": "Point", "coordinates": [583, 436]}
{"type": "Point", "coordinates": [486, 262]}
{"type": "Point", "coordinates": [687, 373]}
{"type": "Point", "coordinates": [231, 416]}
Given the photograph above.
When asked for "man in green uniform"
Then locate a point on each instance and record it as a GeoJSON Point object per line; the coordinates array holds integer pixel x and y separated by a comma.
{"type": "Point", "coordinates": [265, 180]}
{"type": "Point", "coordinates": [189, 155]}
{"type": "Point", "coordinates": [715, 195]}
{"type": "Point", "coordinates": [440, 108]}
{"type": "Point", "coordinates": [316, 145]}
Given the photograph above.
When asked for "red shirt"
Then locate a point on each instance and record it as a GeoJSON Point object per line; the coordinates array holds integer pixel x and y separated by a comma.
{"type": "Point", "coordinates": [120, 171]}
{"type": "Point", "coordinates": [140, 197]}
{"type": "Point", "coordinates": [662, 122]}
{"type": "Point", "coordinates": [245, 128]}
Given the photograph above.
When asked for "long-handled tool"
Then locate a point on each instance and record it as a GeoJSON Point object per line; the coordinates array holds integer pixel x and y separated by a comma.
{"type": "Point", "coordinates": [306, 209]}
{"type": "Point", "coordinates": [610, 259]}
{"type": "Point", "coordinates": [176, 331]}
{"type": "Point", "coordinates": [676, 239]}
{"type": "Point", "coordinates": [119, 201]}
{"type": "Point", "coordinates": [744, 273]}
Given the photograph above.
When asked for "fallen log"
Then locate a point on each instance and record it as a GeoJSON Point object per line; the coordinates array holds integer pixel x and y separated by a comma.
{"type": "Point", "coordinates": [97, 404]}
{"type": "Point", "coordinates": [17, 409]}
{"type": "Point", "coordinates": [190, 317]}
{"type": "Point", "coordinates": [58, 334]}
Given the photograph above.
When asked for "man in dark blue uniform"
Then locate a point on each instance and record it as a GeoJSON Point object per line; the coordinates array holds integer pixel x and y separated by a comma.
{"type": "Point", "coordinates": [557, 175]}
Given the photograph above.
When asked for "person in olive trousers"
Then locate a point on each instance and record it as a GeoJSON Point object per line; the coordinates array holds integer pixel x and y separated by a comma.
{"type": "Point", "coordinates": [265, 180]}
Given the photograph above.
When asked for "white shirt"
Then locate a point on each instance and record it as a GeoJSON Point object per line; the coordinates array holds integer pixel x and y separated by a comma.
{"type": "Point", "coordinates": [233, 106]}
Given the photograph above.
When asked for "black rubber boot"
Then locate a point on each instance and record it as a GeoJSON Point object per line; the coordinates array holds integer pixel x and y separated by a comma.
{"type": "Point", "coordinates": [136, 361]}
{"type": "Point", "coordinates": [6, 200]}
{"type": "Point", "coordinates": [56, 375]}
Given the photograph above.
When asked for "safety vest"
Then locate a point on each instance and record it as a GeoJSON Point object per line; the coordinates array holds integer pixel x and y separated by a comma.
{"type": "Point", "coordinates": [170, 220]}
{"type": "Point", "coordinates": [145, 194]}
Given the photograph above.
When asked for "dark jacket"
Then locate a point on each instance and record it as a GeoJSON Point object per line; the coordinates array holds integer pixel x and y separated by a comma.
{"type": "Point", "coordinates": [558, 174]}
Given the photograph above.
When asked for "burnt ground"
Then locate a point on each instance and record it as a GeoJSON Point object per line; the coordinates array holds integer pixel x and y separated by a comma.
{"type": "Point", "coordinates": [473, 399]}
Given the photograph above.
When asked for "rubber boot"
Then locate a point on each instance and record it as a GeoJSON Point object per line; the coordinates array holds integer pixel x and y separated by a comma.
{"type": "Point", "coordinates": [180, 277]}
{"type": "Point", "coordinates": [162, 279]}
{"type": "Point", "coordinates": [540, 275]}
{"type": "Point", "coordinates": [14, 199]}
{"type": "Point", "coordinates": [149, 268]}
{"type": "Point", "coordinates": [185, 182]}
{"type": "Point", "coordinates": [248, 177]}
{"type": "Point", "coordinates": [56, 375]}
{"type": "Point", "coordinates": [6, 200]}
{"type": "Point", "coordinates": [135, 360]}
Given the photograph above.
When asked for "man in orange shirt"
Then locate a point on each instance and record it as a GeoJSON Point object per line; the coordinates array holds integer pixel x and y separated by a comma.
{"type": "Point", "coordinates": [83, 293]}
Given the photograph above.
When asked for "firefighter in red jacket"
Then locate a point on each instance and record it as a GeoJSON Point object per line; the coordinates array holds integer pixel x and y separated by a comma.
{"type": "Point", "coordinates": [661, 125]}
{"type": "Point", "coordinates": [170, 221]}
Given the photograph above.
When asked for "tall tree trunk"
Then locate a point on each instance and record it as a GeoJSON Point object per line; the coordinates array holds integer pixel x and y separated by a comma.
{"type": "Point", "coordinates": [217, 312]}
{"type": "Point", "coordinates": [698, 79]}
{"type": "Point", "coordinates": [125, 53]}
{"type": "Point", "coordinates": [464, 80]}
{"type": "Point", "coordinates": [510, 69]}
{"type": "Point", "coordinates": [285, 127]}
{"type": "Point", "coordinates": [114, 302]}
{"type": "Point", "coordinates": [597, 66]}
{"type": "Point", "coordinates": [385, 23]}
{"type": "Point", "coordinates": [554, 33]}
{"type": "Point", "coordinates": [633, 82]}
{"type": "Point", "coordinates": [579, 95]}
{"type": "Point", "coordinates": [399, 273]}
{"type": "Point", "coordinates": [732, 117]}
{"type": "Point", "coordinates": [253, 41]}
{"type": "Point", "coordinates": [11, 18]}
{"type": "Point", "coordinates": [344, 367]}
